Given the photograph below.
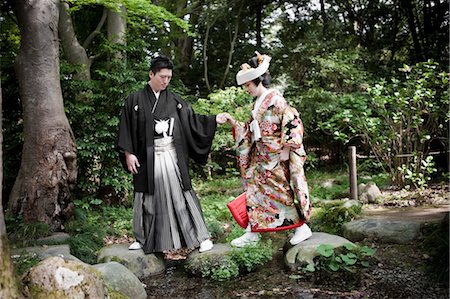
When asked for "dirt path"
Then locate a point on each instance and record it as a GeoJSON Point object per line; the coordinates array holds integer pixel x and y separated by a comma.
{"type": "Point", "coordinates": [422, 214]}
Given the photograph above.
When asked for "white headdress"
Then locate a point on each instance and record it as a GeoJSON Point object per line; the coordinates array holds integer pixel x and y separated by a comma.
{"type": "Point", "coordinates": [248, 73]}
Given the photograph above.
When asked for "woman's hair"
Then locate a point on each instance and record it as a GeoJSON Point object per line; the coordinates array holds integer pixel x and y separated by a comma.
{"type": "Point", "coordinates": [265, 78]}
{"type": "Point", "coordinates": [159, 63]}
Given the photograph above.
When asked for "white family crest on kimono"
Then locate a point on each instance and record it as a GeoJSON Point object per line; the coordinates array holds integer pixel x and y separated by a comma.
{"type": "Point", "coordinates": [164, 126]}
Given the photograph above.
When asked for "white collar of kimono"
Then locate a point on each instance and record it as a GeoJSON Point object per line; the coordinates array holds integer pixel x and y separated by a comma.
{"type": "Point", "coordinates": [254, 125]}
{"type": "Point", "coordinates": [156, 94]}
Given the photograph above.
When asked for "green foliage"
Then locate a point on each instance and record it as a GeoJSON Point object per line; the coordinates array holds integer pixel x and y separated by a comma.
{"type": "Point", "coordinates": [394, 118]}
{"type": "Point", "coordinates": [237, 261]}
{"type": "Point", "coordinates": [136, 12]}
{"type": "Point", "coordinates": [20, 233]}
{"type": "Point", "coordinates": [23, 262]}
{"type": "Point", "coordinates": [418, 176]}
{"type": "Point", "coordinates": [333, 184]}
{"type": "Point", "coordinates": [234, 100]}
{"type": "Point", "coordinates": [89, 229]}
{"type": "Point", "coordinates": [101, 176]}
{"type": "Point", "coordinates": [249, 258]}
{"type": "Point", "coordinates": [340, 70]}
{"type": "Point", "coordinates": [411, 113]}
{"type": "Point", "coordinates": [224, 272]}
{"type": "Point", "coordinates": [86, 239]}
{"type": "Point", "coordinates": [436, 243]}
{"type": "Point", "coordinates": [214, 195]}
{"type": "Point", "coordinates": [219, 268]}
{"type": "Point", "coordinates": [349, 258]}
{"type": "Point", "coordinates": [331, 216]}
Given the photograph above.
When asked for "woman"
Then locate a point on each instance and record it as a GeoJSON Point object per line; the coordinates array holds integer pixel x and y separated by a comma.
{"type": "Point", "coordinates": [270, 157]}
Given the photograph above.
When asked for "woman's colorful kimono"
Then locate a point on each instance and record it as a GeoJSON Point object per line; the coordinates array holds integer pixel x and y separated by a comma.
{"type": "Point", "coordinates": [277, 191]}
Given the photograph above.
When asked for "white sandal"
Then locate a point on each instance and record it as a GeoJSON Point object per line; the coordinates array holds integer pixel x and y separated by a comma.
{"type": "Point", "coordinates": [206, 245]}
{"type": "Point", "coordinates": [301, 234]}
{"type": "Point", "coordinates": [246, 239]}
{"type": "Point", "coordinates": [134, 246]}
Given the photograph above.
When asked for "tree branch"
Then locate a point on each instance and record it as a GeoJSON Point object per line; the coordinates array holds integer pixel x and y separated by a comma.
{"type": "Point", "coordinates": [97, 30]}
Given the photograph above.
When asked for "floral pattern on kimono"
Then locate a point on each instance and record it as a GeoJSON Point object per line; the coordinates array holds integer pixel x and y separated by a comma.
{"type": "Point", "coordinates": [277, 191]}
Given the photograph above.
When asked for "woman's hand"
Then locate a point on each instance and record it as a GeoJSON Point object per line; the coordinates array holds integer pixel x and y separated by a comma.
{"type": "Point", "coordinates": [225, 117]}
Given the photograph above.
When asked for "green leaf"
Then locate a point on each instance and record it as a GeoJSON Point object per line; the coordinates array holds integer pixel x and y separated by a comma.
{"type": "Point", "coordinates": [367, 251]}
{"type": "Point", "coordinates": [310, 268]}
{"type": "Point", "coordinates": [333, 266]}
{"type": "Point", "coordinates": [349, 246]}
{"type": "Point", "coordinates": [325, 250]}
{"type": "Point", "coordinates": [347, 260]}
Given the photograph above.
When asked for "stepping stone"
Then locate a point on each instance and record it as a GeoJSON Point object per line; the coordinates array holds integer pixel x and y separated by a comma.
{"type": "Point", "coordinates": [140, 264]}
{"type": "Point", "coordinates": [119, 279]}
{"type": "Point", "coordinates": [43, 252]}
{"type": "Point", "coordinates": [305, 252]}
{"type": "Point", "coordinates": [382, 230]}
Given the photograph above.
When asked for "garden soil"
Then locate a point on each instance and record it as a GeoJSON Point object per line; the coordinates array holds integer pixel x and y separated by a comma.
{"type": "Point", "coordinates": [395, 271]}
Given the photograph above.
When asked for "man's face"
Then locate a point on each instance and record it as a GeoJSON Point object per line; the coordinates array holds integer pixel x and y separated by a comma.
{"type": "Point", "coordinates": [160, 80]}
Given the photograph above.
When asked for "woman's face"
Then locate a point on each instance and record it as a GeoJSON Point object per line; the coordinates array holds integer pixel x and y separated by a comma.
{"type": "Point", "coordinates": [252, 89]}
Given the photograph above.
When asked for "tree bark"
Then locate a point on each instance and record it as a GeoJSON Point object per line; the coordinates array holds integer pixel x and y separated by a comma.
{"type": "Point", "coordinates": [116, 27]}
{"type": "Point", "coordinates": [259, 11]}
{"type": "Point", "coordinates": [185, 44]}
{"type": "Point", "coordinates": [413, 28]}
{"type": "Point", "coordinates": [205, 57]}
{"type": "Point", "coordinates": [8, 285]}
{"type": "Point", "coordinates": [48, 170]}
{"type": "Point", "coordinates": [232, 45]}
{"type": "Point", "coordinates": [75, 52]}
{"type": "Point", "coordinates": [324, 17]}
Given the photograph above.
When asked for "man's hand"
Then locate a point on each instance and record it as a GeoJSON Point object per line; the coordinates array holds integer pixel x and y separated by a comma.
{"type": "Point", "coordinates": [132, 163]}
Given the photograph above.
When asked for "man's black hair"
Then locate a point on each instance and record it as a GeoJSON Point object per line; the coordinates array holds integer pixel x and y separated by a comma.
{"type": "Point", "coordinates": [159, 63]}
{"type": "Point", "coordinates": [265, 78]}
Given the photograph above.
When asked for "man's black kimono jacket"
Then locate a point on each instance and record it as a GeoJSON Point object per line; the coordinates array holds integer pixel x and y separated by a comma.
{"type": "Point", "coordinates": [192, 134]}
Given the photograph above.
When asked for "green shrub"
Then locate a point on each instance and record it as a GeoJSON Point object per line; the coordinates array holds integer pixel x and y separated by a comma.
{"type": "Point", "coordinates": [331, 216]}
{"type": "Point", "coordinates": [250, 257]}
{"type": "Point", "coordinates": [89, 229]}
{"type": "Point", "coordinates": [237, 102]}
{"type": "Point", "coordinates": [237, 261]}
{"type": "Point", "coordinates": [344, 264]}
{"type": "Point", "coordinates": [219, 268]}
{"type": "Point", "coordinates": [408, 109]}
{"type": "Point", "coordinates": [23, 263]}
{"type": "Point", "coordinates": [436, 243]}
{"type": "Point", "coordinates": [339, 184]}
{"type": "Point", "coordinates": [215, 228]}
{"type": "Point", "coordinates": [20, 233]}
{"type": "Point", "coordinates": [349, 258]}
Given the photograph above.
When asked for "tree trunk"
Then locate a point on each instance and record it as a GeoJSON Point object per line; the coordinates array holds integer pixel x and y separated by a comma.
{"type": "Point", "coordinates": [323, 14]}
{"type": "Point", "coordinates": [232, 45]}
{"type": "Point", "coordinates": [185, 44]}
{"type": "Point", "coordinates": [259, 11]}
{"type": "Point", "coordinates": [413, 28]}
{"type": "Point", "coordinates": [74, 51]}
{"type": "Point", "coordinates": [116, 27]}
{"type": "Point", "coordinates": [48, 170]}
{"type": "Point", "coordinates": [205, 57]}
{"type": "Point", "coordinates": [8, 285]}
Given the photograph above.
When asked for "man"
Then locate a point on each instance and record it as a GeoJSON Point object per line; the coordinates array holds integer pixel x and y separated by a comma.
{"type": "Point", "coordinates": [158, 134]}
